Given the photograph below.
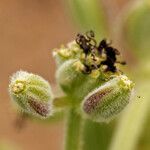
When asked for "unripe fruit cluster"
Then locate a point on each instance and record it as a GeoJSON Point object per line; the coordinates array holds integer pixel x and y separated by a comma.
{"type": "Point", "coordinates": [96, 93]}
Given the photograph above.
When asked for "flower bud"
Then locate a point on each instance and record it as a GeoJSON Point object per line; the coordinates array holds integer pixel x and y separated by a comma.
{"type": "Point", "coordinates": [31, 93]}
{"type": "Point", "coordinates": [105, 102]}
{"type": "Point", "coordinates": [69, 77]}
{"type": "Point", "coordinates": [66, 53]}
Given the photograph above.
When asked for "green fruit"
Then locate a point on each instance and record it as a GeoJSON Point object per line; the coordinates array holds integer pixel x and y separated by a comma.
{"type": "Point", "coordinates": [31, 93]}
{"type": "Point", "coordinates": [105, 102]}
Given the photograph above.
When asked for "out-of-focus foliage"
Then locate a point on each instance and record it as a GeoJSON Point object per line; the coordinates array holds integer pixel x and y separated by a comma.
{"type": "Point", "coordinates": [144, 140]}
{"type": "Point", "coordinates": [89, 14]}
{"type": "Point", "coordinates": [136, 28]}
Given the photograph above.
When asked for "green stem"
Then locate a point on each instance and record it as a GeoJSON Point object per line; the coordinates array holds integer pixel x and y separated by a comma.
{"type": "Point", "coordinates": [73, 130]}
{"type": "Point", "coordinates": [96, 136]}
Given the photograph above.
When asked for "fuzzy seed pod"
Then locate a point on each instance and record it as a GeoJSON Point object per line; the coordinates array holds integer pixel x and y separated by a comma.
{"type": "Point", "coordinates": [105, 102]}
{"type": "Point", "coordinates": [31, 93]}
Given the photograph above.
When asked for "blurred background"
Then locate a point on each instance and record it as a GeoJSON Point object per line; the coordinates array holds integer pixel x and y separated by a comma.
{"type": "Point", "coordinates": [29, 30]}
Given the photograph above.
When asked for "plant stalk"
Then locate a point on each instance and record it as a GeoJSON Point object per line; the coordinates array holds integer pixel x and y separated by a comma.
{"type": "Point", "coordinates": [96, 136]}
{"type": "Point", "coordinates": [73, 130]}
